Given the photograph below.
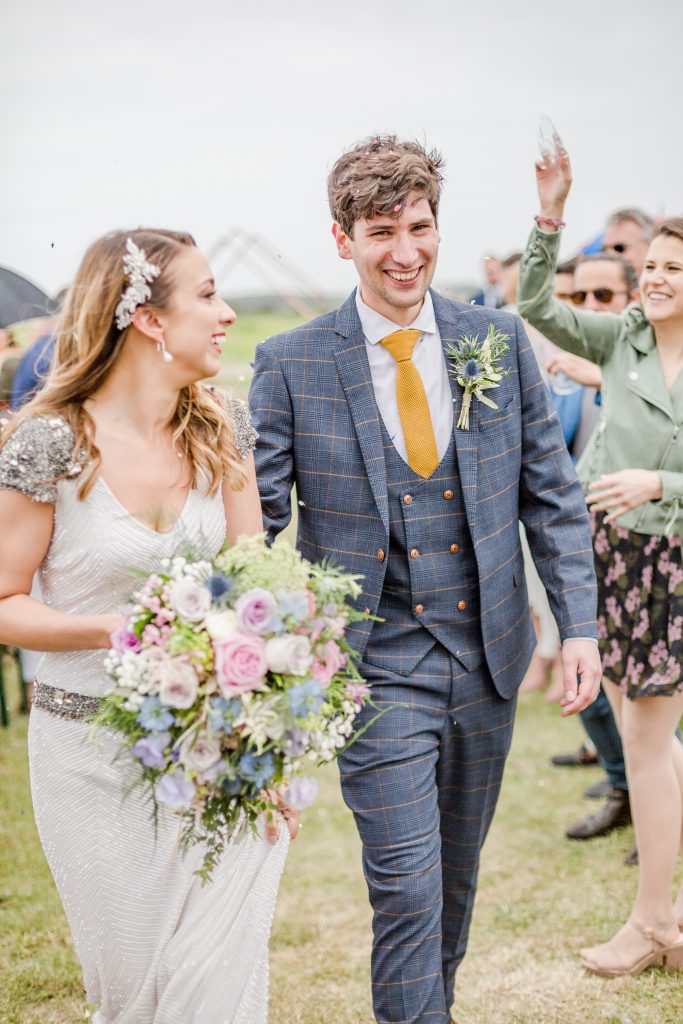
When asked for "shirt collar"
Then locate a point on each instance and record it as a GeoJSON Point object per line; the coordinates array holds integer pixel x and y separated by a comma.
{"type": "Point", "coordinates": [375, 326]}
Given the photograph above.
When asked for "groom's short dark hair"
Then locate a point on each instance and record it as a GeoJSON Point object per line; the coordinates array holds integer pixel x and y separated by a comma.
{"type": "Point", "coordinates": [375, 177]}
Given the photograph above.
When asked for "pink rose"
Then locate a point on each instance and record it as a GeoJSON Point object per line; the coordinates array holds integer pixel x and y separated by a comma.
{"type": "Point", "coordinates": [240, 664]}
{"type": "Point", "coordinates": [178, 684]}
{"type": "Point", "coordinates": [327, 663]}
{"type": "Point", "coordinates": [255, 610]}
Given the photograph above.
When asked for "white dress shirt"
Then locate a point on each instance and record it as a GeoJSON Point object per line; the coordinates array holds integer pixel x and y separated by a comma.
{"type": "Point", "coordinates": [428, 357]}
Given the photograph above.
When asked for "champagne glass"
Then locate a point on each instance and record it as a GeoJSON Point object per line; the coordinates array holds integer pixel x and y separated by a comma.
{"type": "Point", "coordinates": [550, 144]}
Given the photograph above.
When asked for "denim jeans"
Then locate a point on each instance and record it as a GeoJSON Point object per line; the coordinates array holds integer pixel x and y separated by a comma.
{"type": "Point", "coordinates": [598, 721]}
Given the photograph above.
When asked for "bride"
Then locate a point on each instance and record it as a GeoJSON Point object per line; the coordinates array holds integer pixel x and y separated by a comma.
{"type": "Point", "coordinates": [124, 459]}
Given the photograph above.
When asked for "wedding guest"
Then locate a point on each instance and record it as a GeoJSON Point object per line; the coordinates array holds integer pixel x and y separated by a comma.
{"type": "Point", "coordinates": [633, 473]}
{"type": "Point", "coordinates": [491, 294]}
{"type": "Point", "coordinates": [605, 283]}
{"type": "Point", "coordinates": [628, 232]}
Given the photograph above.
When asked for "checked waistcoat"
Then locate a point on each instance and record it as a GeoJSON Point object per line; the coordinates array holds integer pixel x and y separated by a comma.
{"type": "Point", "coordinates": [430, 591]}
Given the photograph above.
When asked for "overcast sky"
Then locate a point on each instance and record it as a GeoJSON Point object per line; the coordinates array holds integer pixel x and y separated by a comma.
{"type": "Point", "coordinates": [205, 115]}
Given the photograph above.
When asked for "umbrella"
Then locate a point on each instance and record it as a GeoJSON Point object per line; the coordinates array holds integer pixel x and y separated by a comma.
{"type": "Point", "coordinates": [21, 300]}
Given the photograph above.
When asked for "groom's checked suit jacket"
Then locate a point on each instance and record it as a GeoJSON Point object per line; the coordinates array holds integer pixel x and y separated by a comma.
{"type": "Point", "coordinates": [313, 405]}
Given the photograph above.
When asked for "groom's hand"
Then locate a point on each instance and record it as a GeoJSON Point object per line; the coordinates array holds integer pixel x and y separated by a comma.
{"type": "Point", "coordinates": [582, 670]}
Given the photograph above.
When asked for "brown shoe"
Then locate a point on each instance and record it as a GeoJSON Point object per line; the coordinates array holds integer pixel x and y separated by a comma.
{"type": "Point", "coordinates": [614, 813]}
{"type": "Point", "coordinates": [576, 758]}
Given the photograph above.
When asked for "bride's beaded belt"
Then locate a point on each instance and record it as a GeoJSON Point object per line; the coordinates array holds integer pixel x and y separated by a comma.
{"type": "Point", "coordinates": [62, 703]}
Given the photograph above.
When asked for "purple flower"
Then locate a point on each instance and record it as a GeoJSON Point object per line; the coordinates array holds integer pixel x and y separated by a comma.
{"type": "Point", "coordinates": [124, 639]}
{"type": "Point", "coordinates": [175, 790]}
{"type": "Point", "coordinates": [149, 749]}
{"type": "Point", "coordinates": [302, 792]}
{"type": "Point", "coordinates": [295, 742]}
{"type": "Point", "coordinates": [154, 717]}
{"type": "Point", "coordinates": [255, 609]}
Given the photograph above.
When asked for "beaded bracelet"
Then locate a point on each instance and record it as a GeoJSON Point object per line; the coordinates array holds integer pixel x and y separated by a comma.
{"type": "Point", "coordinates": [549, 221]}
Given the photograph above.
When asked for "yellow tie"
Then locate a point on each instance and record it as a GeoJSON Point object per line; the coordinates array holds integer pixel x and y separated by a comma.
{"type": "Point", "coordinates": [413, 407]}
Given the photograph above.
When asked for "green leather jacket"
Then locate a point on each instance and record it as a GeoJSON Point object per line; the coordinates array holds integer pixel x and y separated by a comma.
{"type": "Point", "coordinates": [640, 423]}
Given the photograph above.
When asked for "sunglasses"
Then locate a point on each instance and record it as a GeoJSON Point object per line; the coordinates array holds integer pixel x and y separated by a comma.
{"type": "Point", "coordinates": [620, 247]}
{"type": "Point", "coordinates": [603, 295]}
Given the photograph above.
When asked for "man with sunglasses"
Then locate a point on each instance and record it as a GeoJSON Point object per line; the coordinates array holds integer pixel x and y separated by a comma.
{"type": "Point", "coordinates": [628, 233]}
{"type": "Point", "coordinates": [605, 283]}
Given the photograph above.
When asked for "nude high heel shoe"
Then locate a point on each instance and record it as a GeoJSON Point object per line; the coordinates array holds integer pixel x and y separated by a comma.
{"type": "Point", "coordinates": [662, 952]}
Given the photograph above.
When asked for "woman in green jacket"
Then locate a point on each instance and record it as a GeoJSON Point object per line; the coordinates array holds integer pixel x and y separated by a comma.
{"type": "Point", "coordinates": [632, 470]}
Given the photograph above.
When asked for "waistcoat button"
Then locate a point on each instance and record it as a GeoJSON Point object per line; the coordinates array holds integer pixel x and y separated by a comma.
{"type": "Point", "coordinates": [380, 554]}
{"type": "Point", "coordinates": [462, 605]}
{"type": "Point", "coordinates": [414, 553]}
{"type": "Point", "coordinates": [407, 499]}
{"type": "Point", "coordinates": [419, 608]}
{"type": "Point", "coordinates": [455, 548]}
{"type": "Point", "coordinates": [448, 495]}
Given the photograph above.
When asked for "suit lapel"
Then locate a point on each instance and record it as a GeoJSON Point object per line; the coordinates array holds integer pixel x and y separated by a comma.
{"type": "Point", "coordinates": [453, 324]}
{"type": "Point", "coordinates": [354, 373]}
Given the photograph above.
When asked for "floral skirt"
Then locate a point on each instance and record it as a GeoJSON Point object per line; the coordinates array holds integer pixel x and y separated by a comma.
{"type": "Point", "coordinates": [640, 609]}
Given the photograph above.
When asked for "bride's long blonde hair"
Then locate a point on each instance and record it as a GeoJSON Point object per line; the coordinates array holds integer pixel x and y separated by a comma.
{"type": "Point", "coordinates": [89, 343]}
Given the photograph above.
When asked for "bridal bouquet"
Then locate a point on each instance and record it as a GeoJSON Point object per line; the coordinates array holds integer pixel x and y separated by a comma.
{"type": "Point", "coordinates": [230, 678]}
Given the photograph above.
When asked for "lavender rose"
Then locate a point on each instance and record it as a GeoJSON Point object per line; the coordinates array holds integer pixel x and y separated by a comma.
{"type": "Point", "coordinates": [302, 792]}
{"type": "Point", "coordinates": [289, 654]}
{"type": "Point", "coordinates": [199, 753]}
{"type": "Point", "coordinates": [178, 683]}
{"type": "Point", "coordinates": [240, 664]}
{"type": "Point", "coordinates": [190, 600]}
{"type": "Point", "coordinates": [255, 610]}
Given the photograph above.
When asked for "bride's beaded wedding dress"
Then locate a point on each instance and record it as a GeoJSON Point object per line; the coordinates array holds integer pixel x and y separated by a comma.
{"type": "Point", "coordinates": [155, 946]}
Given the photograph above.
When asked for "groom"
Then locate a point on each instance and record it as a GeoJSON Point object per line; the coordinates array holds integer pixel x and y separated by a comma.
{"type": "Point", "coordinates": [357, 410]}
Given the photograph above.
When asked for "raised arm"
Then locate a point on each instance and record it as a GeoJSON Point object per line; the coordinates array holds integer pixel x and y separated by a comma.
{"type": "Point", "coordinates": [583, 332]}
{"type": "Point", "coordinates": [272, 415]}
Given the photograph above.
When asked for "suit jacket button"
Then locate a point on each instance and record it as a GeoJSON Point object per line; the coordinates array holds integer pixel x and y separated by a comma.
{"type": "Point", "coordinates": [462, 605]}
{"type": "Point", "coordinates": [419, 608]}
{"type": "Point", "coordinates": [414, 553]}
{"type": "Point", "coordinates": [380, 554]}
{"type": "Point", "coordinates": [407, 499]}
{"type": "Point", "coordinates": [455, 548]}
{"type": "Point", "coordinates": [448, 495]}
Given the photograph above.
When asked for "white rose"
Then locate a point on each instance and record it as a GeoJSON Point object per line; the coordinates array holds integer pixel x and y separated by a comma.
{"type": "Point", "coordinates": [221, 625]}
{"type": "Point", "coordinates": [178, 684]}
{"type": "Point", "coordinates": [289, 654]}
{"type": "Point", "coordinates": [190, 600]}
{"type": "Point", "coordinates": [200, 754]}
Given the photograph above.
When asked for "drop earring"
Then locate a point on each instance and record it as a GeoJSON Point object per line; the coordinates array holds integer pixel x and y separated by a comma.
{"type": "Point", "coordinates": [161, 347]}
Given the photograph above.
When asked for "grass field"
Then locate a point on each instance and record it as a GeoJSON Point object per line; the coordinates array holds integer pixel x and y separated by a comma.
{"type": "Point", "coordinates": [241, 340]}
{"type": "Point", "coordinates": [540, 898]}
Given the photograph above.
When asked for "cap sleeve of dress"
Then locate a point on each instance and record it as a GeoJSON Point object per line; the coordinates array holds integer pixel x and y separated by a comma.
{"type": "Point", "coordinates": [244, 434]}
{"type": "Point", "coordinates": [38, 454]}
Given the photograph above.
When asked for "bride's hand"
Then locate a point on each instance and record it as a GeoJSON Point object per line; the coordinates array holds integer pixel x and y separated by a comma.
{"type": "Point", "coordinates": [289, 813]}
{"type": "Point", "coordinates": [553, 180]}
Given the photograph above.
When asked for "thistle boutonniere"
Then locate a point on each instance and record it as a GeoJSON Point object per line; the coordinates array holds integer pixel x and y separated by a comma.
{"type": "Point", "coordinates": [475, 367]}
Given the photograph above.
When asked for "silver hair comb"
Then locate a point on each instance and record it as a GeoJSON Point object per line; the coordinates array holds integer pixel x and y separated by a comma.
{"type": "Point", "coordinates": [139, 272]}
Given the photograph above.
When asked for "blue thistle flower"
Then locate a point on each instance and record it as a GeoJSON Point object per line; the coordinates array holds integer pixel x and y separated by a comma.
{"type": "Point", "coordinates": [219, 585]}
{"type": "Point", "coordinates": [472, 368]}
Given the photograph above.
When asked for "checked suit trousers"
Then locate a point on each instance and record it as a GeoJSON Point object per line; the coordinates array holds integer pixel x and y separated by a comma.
{"type": "Point", "coordinates": [423, 780]}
